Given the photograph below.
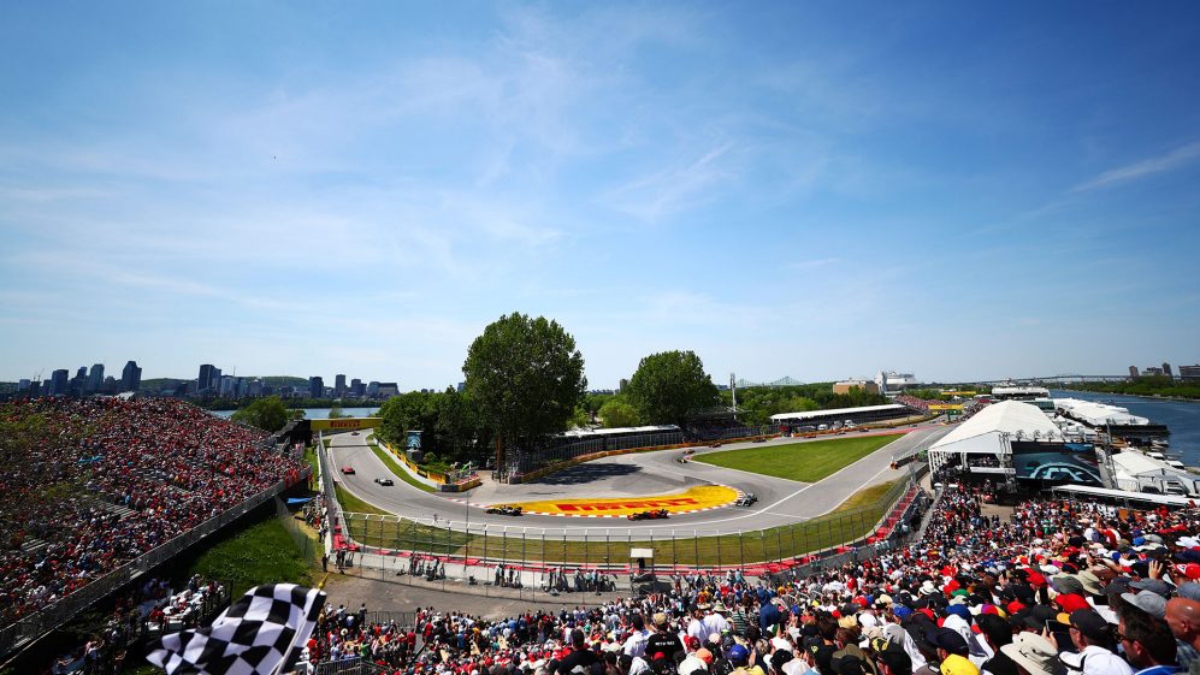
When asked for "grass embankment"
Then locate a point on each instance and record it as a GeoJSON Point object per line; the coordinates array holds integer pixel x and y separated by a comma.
{"type": "Point", "coordinates": [852, 519]}
{"type": "Point", "coordinates": [352, 504]}
{"type": "Point", "coordinates": [805, 462]}
{"type": "Point", "coordinates": [387, 458]}
{"type": "Point", "coordinates": [261, 553]}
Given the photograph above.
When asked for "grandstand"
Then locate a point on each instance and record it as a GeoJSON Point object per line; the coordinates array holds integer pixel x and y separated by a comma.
{"type": "Point", "coordinates": [860, 415]}
{"type": "Point", "coordinates": [97, 484]}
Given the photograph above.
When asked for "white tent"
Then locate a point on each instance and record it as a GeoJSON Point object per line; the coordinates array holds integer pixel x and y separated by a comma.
{"type": "Point", "coordinates": [985, 433]}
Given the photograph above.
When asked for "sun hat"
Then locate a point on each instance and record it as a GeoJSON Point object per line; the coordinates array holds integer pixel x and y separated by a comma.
{"type": "Point", "coordinates": [1032, 652]}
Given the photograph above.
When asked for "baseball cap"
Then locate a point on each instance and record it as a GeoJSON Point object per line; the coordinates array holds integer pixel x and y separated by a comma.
{"type": "Point", "coordinates": [1151, 603]}
{"type": "Point", "coordinates": [948, 639]}
{"type": "Point", "coordinates": [1190, 591]}
{"type": "Point", "coordinates": [1087, 621]}
{"type": "Point", "coordinates": [738, 654]}
{"type": "Point", "coordinates": [1156, 586]}
{"type": "Point", "coordinates": [892, 654]}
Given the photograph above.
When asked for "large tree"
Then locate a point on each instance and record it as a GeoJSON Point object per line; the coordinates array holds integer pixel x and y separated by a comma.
{"type": "Point", "coordinates": [526, 378]}
{"type": "Point", "coordinates": [668, 385]}
{"type": "Point", "coordinates": [268, 414]}
{"type": "Point", "coordinates": [616, 413]}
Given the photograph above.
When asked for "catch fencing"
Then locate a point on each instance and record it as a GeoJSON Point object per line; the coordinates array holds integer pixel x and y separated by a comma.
{"type": "Point", "coordinates": [19, 634]}
{"type": "Point", "coordinates": [449, 545]}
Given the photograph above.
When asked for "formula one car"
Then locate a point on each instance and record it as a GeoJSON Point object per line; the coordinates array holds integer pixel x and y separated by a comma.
{"type": "Point", "coordinates": [657, 514]}
{"type": "Point", "coordinates": [347, 470]}
{"type": "Point", "coordinates": [505, 510]}
{"type": "Point", "coordinates": [686, 456]}
{"type": "Point", "coordinates": [747, 499]}
{"type": "Point", "coordinates": [385, 481]}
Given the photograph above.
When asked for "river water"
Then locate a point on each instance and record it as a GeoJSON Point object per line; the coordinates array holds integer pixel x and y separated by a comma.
{"type": "Point", "coordinates": [1181, 417]}
{"type": "Point", "coordinates": [316, 413]}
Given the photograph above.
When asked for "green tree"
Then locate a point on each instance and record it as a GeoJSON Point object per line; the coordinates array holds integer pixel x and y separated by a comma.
{"type": "Point", "coordinates": [526, 378]}
{"type": "Point", "coordinates": [335, 412]}
{"type": "Point", "coordinates": [617, 413]}
{"type": "Point", "coordinates": [668, 385]}
{"type": "Point", "coordinates": [268, 414]}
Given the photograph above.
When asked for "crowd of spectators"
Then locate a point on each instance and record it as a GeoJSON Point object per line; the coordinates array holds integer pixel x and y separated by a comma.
{"type": "Point", "coordinates": [1052, 588]}
{"type": "Point", "coordinates": [918, 404]}
{"type": "Point", "coordinates": [92, 484]}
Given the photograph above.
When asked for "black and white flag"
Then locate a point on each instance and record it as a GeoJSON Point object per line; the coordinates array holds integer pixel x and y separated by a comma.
{"type": "Point", "coordinates": [263, 633]}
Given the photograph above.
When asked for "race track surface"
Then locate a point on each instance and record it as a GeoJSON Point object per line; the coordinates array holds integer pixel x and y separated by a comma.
{"type": "Point", "coordinates": [652, 474]}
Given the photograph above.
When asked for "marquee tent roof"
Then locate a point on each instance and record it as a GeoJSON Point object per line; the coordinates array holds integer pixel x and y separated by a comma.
{"type": "Point", "coordinates": [982, 433]}
{"type": "Point", "coordinates": [1098, 414]}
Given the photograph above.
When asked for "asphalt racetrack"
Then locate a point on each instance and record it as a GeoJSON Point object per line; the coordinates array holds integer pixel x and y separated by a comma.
{"type": "Point", "coordinates": [645, 475]}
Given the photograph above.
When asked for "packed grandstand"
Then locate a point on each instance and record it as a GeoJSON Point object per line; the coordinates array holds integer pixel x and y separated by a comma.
{"type": "Point", "coordinates": [1058, 587]}
{"type": "Point", "coordinates": [102, 481]}
{"type": "Point", "coordinates": [1051, 588]}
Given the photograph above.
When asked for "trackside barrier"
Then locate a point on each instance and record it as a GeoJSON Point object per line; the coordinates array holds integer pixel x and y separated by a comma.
{"type": "Point", "coordinates": [33, 626]}
{"type": "Point", "coordinates": [468, 554]}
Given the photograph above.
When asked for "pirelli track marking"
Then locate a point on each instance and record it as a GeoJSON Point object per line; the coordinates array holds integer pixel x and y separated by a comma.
{"type": "Point", "coordinates": [699, 498]}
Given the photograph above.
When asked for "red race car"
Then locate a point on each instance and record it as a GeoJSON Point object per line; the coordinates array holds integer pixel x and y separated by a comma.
{"type": "Point", "coordinates": [347, 469]}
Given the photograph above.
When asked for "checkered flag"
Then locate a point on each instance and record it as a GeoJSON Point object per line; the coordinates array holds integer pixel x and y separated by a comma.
{"type": "Point", "coordinates": [263, 633]}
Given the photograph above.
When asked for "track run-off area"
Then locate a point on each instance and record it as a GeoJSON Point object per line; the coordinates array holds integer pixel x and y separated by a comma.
{"type": "Point", "coordinates": [635, 480]}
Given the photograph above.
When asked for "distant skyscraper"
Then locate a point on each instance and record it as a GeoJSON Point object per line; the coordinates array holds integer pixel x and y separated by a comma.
{"type": "Point", "coordinates": [1167, 369]}
{"type": "Point", "coordinates": [357, 389]}
{"type": "Point", "coordinates": [95, 379]}
{"type": "Point", "coordinates": [209, 380]}
{"type": "Point", "coordinates": [79, 382]}
{"type": "Point", "coordinates": [339, 385]}
{"type": "Point", "coordinates": [316, 387]}
{"type": "Point", "coordinates": [372, 389]}
{"type": "Point", "coordinates": [60, 382]}
{"type": "Point", "coordinates": [131, 377]}
{"type": "Point", "coordinates": [1133, 372]}
{"type": "Point", "coordinates": [22, 385]}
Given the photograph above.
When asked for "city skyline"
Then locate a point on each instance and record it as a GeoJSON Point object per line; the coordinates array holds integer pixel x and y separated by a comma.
{"type": "Point", "coordinates": [214, 375]}
{"type": "Point", "coordinates": [962, 192]}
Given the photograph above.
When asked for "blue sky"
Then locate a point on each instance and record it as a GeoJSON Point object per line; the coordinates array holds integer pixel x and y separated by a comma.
{"type": "Point", "coordinates": [819, 190]}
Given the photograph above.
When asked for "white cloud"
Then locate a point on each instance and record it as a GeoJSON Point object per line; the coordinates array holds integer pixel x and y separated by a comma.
{"type": "Point", "coordinates": [1175, 159]}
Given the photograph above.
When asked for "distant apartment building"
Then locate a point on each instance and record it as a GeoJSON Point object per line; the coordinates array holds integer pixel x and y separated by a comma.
{"type": "Point", "coordinates": [209, 379]}
{"type": "Point", "coordinates": [1189, 372]}
{"type": "Point", "coordinates": [1133, 372]}
{"type": "Point", "coordinates": [131, 377]}
{"type": "Point", "coordinates": [1152, 371]}
{"type": "Point", "coordinates": [1167, 369]}
{"type": "Point", "coordinates": [372, 390]}
{"type": "Point", "coordinates": [95, 379]}
{"type": "Point", "coordinates": [60, 382]}
{"type": "Point", "coordinates": [867, 386]}
{"type": "Point", "coordinates": [388, 389]}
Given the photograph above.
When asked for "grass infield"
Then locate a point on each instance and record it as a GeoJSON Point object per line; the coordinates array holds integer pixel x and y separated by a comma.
{"type": "Point", "coordinates": [854, 518]}
{"type": "Point", "coordinates": [387, 458]}
{"type": "Point", "coordinates": [805, 462]}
